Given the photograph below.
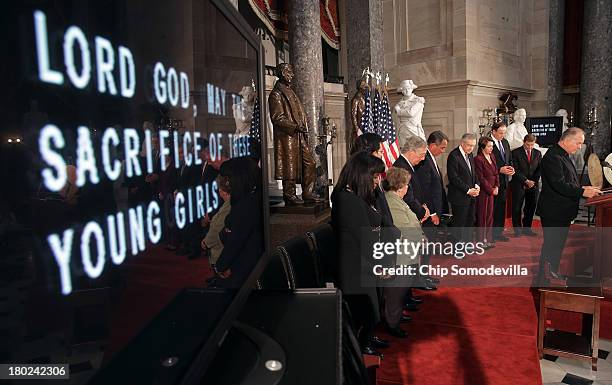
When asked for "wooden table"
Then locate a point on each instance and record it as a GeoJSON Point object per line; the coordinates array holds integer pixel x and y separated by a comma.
{"type": "Point", "coordinates": [585, 300]}
{"type": "Point", "coordinates": [372, 363]}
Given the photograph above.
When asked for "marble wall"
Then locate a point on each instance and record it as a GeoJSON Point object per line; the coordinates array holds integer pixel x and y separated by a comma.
{"type": "Point", "coordinates": [464, 54]}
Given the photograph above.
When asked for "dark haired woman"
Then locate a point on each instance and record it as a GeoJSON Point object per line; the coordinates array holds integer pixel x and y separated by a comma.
{"type": "Point", "coordinates": [242, 236]}
{"type": "Point", "coordinates": [370, 143]}
{"type": "Point", "coordinates": [357, 224]}
{"type": "Point", "coordinates": [486, 170]}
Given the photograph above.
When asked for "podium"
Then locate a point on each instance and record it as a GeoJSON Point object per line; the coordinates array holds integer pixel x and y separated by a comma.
{"type": "Point", "coordinates": [602, 261]}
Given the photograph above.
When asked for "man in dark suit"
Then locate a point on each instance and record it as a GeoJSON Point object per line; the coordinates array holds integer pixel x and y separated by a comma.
{"type": "Point", "coordinates": [412, 153]}
{"type": "Point", "coordinates": [525, 185]}
{"type": "Point", "coordinates": [432, 184]}
{"type": "Point", "coordinates": [558, 205]}
{"type": "Point", "coordinates": [463, 186]}
{"type": "Point", "coordinates": [503, 159]}
{"type": "Point", "coordinates": [430, 178]}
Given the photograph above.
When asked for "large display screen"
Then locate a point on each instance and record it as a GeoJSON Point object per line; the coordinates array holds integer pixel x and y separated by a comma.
{"type": "Point", "coordinates": [547, 129]}
{"type": "Point", "coordinates": [129, 158]}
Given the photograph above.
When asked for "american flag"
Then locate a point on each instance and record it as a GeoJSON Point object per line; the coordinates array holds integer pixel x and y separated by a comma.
{"type": "Point", "coordinates": [377, 118]}
{"type": "Point", "coordinates": [376, 110]}
{"type": "Point", "coordinates": [386, 130]}
{"type": "Point", "coordinates": [255, 130]}
{"type": "Point", "coordinates": [367, 125]}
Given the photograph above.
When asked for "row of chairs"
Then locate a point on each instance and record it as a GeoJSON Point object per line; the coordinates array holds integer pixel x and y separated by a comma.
{"type": "Point", "coordinates": [305, 261]}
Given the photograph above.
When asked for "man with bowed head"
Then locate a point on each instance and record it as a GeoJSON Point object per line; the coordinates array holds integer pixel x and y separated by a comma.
{"type": "Point", "coordinates": [558, 204]}
{"type": "Point", "coordinates": [463, 186]}
{"type": "Point", "coordinates": [503, 160]}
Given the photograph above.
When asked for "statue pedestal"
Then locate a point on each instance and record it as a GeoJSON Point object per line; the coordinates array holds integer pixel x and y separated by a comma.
{"type": "Point", "coordinates": [288, 222]}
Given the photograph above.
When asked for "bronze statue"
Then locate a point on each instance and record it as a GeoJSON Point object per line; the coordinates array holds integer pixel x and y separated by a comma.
{"type": "Point", "coordinates": [294, 161]}
{"type": "Point", "coordinates": [506, 103]}
{"type": "Point", "coordinates": [357, 106]}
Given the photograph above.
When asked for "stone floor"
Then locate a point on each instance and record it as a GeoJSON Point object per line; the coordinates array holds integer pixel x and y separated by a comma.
{"type": "Point", "coordinates": [565, 371]}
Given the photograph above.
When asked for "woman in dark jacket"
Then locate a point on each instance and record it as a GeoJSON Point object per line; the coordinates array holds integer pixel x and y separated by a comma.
{"type": "Point", "coordinates": [357, 224]}
{"type": "Point", "coordinates": [242, 236]}
{"type": "Point", "coordinates": [486, 170]}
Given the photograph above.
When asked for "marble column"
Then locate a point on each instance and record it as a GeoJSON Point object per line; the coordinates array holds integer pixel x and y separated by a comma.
{"type": "Point", "coordinates": [556, 28]}
{"type": "Point", "coordinates": [596, 74]}
{"type": "Point", "coordinates": [364, 31]}
{"type": "Point", "coordinates": [306, 56]}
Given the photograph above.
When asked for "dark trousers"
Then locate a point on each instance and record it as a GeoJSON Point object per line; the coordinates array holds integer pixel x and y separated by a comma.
{"type": "Point", "coordinates": [555, 235]}
{"type": "Point", "coordinates": [363, 317]}
{"type": "Point", "coordinates": [463, 220]}
{"type": "Point", "coordinates": [530, 198]}
{"type": "Point", "coordinates": [394, 300]}
{"type": "Point", "coordinates": [499, 212]}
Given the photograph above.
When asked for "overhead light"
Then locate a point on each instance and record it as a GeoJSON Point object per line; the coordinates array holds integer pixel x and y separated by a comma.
{"type": "Point", "coordinates": [10, 140]}
{"type": "Point", "coordinates": [18, 140]}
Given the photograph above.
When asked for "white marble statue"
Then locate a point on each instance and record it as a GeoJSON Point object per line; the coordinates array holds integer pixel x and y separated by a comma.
{"type": "Point", "coordinates": [243, 111]}
{"type": "Point", "coordinates": [409, 111]}
{"type": "Point", "coordinates": [578, 157]}
{"type": "Point", "coordinates": [516, 131]}
{"type": "Point", "coordinates": [562, 112]}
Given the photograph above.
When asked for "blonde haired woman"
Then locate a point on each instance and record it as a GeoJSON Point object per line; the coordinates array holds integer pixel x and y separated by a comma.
{"type": "Point", "coordinates": [396, 186]}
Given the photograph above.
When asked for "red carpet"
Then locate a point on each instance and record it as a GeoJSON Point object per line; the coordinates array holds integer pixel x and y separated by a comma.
{"type": "Point", "coordinates": [467, 336]}
{"type": "Point", "coordinates": [472, 335]}
{"type": "Point", "coordinates": [483, 336]}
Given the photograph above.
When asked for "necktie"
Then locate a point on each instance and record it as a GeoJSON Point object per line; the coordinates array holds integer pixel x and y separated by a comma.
{"type": "Point", "coordinates": [467, 160]}
{"type": "Point", "coordinates": [528, 156]}
{"type": "Point", "coordinates": [501, 149]}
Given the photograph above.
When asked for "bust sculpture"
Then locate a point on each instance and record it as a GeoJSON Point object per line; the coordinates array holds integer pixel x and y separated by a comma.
{"type": "Point", "coordinates": [563, 112]}
{"type": "Point", "coordinates": [293, 159]}
{"type": "Point", "coordinates": [357, 107]}
{"type": "Point", "coordinates": [516, 131]}
{"type": "Point", "coordinates": [578, 157]}
{"type": "Point", "coordinates": [409, 112]}
{"type": "Point", "coordinates": [243, 111]}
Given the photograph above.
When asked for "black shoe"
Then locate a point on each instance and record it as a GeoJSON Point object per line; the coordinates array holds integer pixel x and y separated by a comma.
{"type": "Point", "coordinates": [554, 277]}
{"type": "Point", "coordinates": [529, 232]}
{"type": "Point", "coordinates": [417, 300]}
{"type": "Point", "coordinates": [396, 331]}
{"type": "Point", "coordinates": [371, 351]}
{"type": "Point", "coordinates": [428, 287]}
{"type": "Point", "coordinates": [434, 279]}
{"type": "Point", "coordinates": [502, 238]}
{"type": "Point", "coordinates": [405, 318]}
{"type": "Point", "coordinates": [211, 279]}
{"type": "Point", "coordinates": [411, 307]}
{"type": "Point", "coordinates": [379, 343]}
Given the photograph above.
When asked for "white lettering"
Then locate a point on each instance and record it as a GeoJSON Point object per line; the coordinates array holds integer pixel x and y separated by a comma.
{"type": "Point", "coordinates": [105, 63]}
{"type": "Point", "coordinates": [111, 168]}
{"type": "Point", "coordinates": [86, 160]}
{"type": "Point", "coordinates": [61, 251]}
{"type": "Point", "coordinates": [75, 34]}
{"type": "Point", "coordinates": [45, 73]}
{"type": "Point", "coordinates": [127, 72]}
{"type": "Point", "coordinates": [54, 181]}
{"type": "Point", "coordinates": [91, 270]}
{"type": "Point", "coordinates": [137, 236]}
